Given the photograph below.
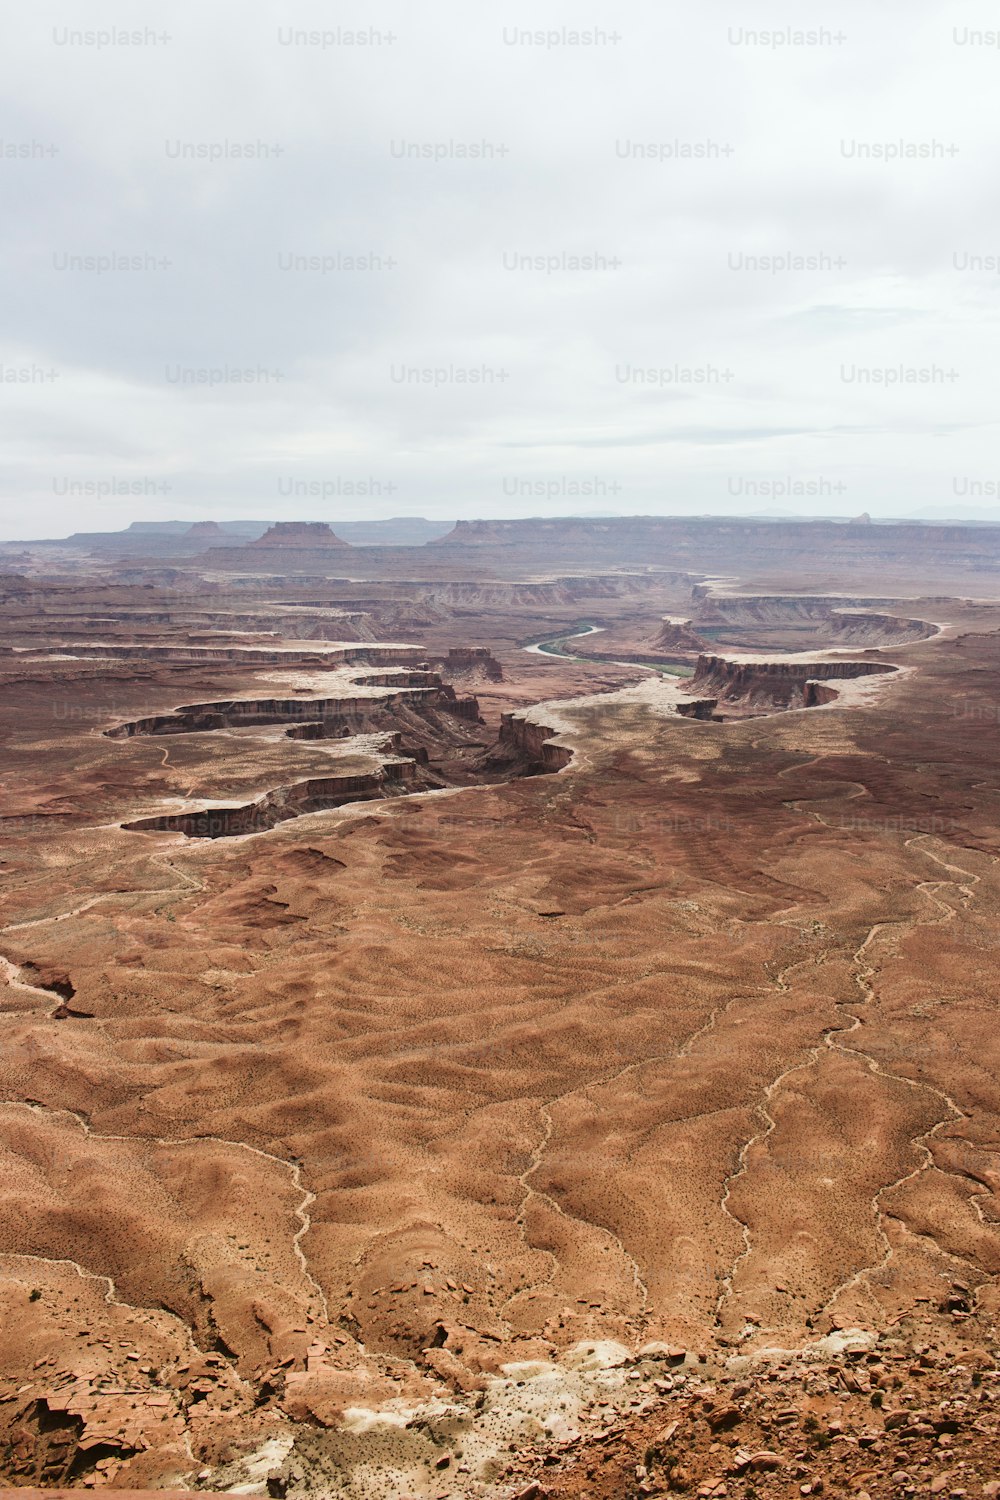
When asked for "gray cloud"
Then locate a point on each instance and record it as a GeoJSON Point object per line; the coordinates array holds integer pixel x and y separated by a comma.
{"type": "Point", "coordinates": [626, 205]}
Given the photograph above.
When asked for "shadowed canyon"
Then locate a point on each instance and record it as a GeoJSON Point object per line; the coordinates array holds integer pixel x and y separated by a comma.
{"type": "Point", "coordinates": [505, 1016]}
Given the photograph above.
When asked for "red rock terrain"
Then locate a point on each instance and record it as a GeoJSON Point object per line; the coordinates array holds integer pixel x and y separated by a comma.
{"type": "Point", "coordinates": [433, 1067]}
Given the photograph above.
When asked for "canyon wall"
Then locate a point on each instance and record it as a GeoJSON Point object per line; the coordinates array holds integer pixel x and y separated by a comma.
{"type": "Point", "coordinates": [771, 684]}
{"type": "Point", "coordinates": [277, 806]}
{"type": "Point", "coordinates": [255, 712]}
{"type": "Point", "coordinates": [858, 621]}
{"type": "Point", "coordinates": [532, 744]}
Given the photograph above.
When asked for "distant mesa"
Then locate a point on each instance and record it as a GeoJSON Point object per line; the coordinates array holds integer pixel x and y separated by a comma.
{"type": "Point", "coordinates": [152, 528]}
{"type": "Point", "coordinates": [285, 547]}
{"type": "Point", "coordinates": [533, 530]}
{"type": "Point", "coordinates": [299, 534]}
{"type": "Point", "coordinates": [711, 544]}
{"type": "Point", "coordinates": [863, 520]}
{"type": "Point", "coordinates": [208, 531]}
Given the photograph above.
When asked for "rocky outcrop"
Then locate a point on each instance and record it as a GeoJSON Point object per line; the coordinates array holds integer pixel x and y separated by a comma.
{"type": "Point", "coordinates": [675, 635]}
{"type": "Point", "coordinates": [815, 694]}
{"type": "Point", "coordinates": [767, 685]}
{"type": "Point", "coordinates": [462, 660]}
{"type": "Point", "coordinates": [699, 708]}
{"type": "Point", "coordinates": [461, 708]}
{"type": "Point", "coordinates": [529, 746]}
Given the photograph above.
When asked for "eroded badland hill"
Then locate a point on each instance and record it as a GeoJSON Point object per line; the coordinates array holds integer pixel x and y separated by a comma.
{"type": "Point", "coordinates": [513, 1016]}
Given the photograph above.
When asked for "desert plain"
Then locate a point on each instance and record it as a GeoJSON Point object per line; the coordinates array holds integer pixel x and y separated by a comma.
{"type": "Point", "coordinates": [508, 1016]}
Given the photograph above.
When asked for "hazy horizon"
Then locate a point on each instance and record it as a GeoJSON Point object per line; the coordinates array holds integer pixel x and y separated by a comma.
{"type": "Point", "coordinates": [172, 525]}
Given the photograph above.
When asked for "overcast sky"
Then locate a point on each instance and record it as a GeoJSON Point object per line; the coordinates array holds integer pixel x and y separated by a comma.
{"type": "Point", "coordinates": [477, 363]}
